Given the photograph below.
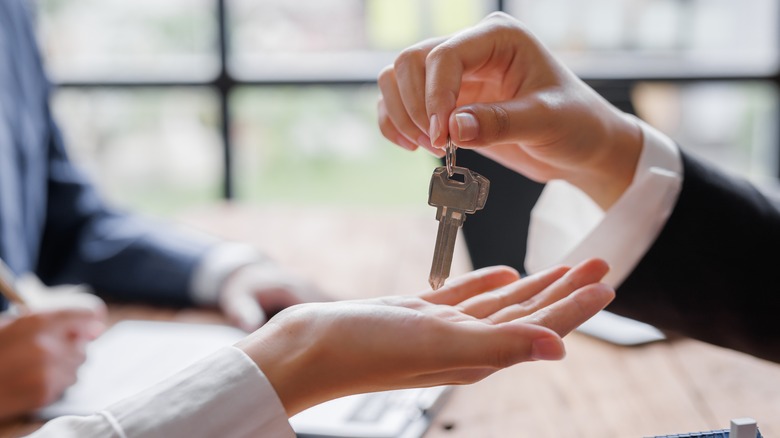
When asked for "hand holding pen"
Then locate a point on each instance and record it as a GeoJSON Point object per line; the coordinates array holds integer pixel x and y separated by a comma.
{"type": "Point", "coordinates": [8, 289]}
{"type": "Point", "coordinates": [42, 349]}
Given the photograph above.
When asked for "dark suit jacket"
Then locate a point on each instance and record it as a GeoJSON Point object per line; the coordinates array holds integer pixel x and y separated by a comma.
{"type": "Point", "coordinates": [712, 273]}
{"type": "Point", "coordinates": [52, 220]}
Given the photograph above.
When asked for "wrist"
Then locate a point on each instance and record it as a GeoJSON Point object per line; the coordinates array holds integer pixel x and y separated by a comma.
{"type": "Point", "coordinates": [287, 356]}
{"type": "Point", "coordinates": [612, 171]}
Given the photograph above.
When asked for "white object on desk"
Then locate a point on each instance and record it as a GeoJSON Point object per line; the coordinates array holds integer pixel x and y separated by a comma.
{"type": "Point", "coordinates": [743, 428]}
{"type": "Point", "coordinates": [134, 355]}
{"type": "Point", "coordinates": [620, 330]}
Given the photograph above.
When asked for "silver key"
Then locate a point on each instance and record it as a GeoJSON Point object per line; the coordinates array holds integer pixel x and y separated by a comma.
{"type": "Point", "coordinates": [453, 199]}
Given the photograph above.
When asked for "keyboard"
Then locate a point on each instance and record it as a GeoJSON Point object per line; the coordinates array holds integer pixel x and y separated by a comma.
{"type": "Point", "coordinates": [405, 413]}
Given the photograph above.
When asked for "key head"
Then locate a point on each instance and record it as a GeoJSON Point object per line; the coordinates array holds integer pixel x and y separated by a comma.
{"type": "Point", "coordinates": [467, 195]}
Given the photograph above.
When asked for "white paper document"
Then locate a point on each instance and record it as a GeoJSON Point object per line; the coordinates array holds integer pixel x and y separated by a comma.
{"type": "Point", "coordinates": [134, 355]}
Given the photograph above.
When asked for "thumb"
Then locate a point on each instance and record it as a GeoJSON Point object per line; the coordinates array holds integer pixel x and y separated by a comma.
{"type": "Point", "coordinates": [487, 124]}
{"type": "Point", "coordinates": [506, 344]}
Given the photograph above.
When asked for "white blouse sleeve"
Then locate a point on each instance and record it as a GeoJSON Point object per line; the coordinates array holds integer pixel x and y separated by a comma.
{"type": "Point", "coordinates": [567, 226]}
{"type": "Point", "coordinates": [224, 395]}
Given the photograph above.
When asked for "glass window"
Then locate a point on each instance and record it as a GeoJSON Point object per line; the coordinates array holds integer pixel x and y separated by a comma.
{"type": "Point", "coordinates": [156, 151]}
{"type": "Point", "coordinates": [731, 123]}
{"type": "Point", "coordinates": [336, 39]}
{"type": "Point", "coordinates": [161, 149]}
{"type": "Point", "coordinates": [115, 40]}
{"type": "Point", "coordinates": [701, 42]}
{"type": "Point", "coordinates": [658, 38]}
{"type": "Point", "coordinates": [321, 144]}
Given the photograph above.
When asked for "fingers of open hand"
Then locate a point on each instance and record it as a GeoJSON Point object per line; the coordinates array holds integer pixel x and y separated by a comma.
{"type": "Point", "coordinates": [516, 294]}
{"type": "Point", "coordinates": [465, 286]}
{"type": "Point", "coordinates": [544, 289]}
{"type": "Point", "coordinates": [570, 312]}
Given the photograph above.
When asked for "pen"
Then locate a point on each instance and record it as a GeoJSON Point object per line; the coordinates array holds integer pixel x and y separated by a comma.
{"type": "Point", "coordinates": [8, 290]}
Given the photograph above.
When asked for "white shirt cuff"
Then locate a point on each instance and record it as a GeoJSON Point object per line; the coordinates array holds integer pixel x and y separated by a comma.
{"type": "Point", "coordinates": [223, 395]}
{"type": "Point", "coordinates": [218, 263]}
{"type": "Point", "coordinates": [567, 226]}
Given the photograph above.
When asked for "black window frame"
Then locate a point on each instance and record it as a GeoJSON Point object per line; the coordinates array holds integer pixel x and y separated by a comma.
{"type": "Point", "coordinates": [224, 83]}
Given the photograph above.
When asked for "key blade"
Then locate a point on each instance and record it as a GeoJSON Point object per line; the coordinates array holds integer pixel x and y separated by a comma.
{"type": "Point", "coordinates": [449, 224]}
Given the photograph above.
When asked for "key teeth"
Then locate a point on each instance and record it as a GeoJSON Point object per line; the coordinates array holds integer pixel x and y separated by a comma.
{"type": "Point", "coordinates": [436, 283]}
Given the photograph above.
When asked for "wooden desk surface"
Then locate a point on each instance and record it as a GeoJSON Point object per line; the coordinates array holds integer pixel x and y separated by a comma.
{"type": "Point", "coordinates": [600, 390]}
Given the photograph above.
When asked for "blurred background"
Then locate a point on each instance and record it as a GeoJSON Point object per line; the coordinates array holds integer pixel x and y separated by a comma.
{"type": "Point", "coordinates": [175, 104]}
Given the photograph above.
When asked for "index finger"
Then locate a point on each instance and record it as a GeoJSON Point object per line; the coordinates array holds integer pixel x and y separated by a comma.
{"type": "Point", "coordinates": [410, 75]}
{"type": "Point", "coordinates": [569, 313]}
{"type": "Point", "coordinates": [471, 284]}
{"type": "Point", "coordinates": [491, 44]}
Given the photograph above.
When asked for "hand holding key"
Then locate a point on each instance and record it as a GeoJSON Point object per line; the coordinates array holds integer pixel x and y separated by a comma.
{"type": "Point", "coordinates": [453, 199]}
{"type": "Point", "coordinates": [496, 89]}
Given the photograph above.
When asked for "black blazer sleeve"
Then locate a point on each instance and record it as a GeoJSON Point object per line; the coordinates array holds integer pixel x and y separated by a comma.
{"type": "Point", "coordinates": [712, 273]}
{"type": "Point", "coordinates": [122, 255]}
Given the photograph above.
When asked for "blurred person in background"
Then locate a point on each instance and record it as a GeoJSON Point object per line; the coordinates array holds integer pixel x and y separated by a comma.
{"type": "Point", "coordinates": [690, 246]}
{"type": "Point", "coordinates": [54, 224]}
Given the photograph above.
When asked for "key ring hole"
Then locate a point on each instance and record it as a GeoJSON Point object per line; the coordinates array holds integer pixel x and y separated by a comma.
{"type": "Point", "coordinates": [457, 177]}
{"type": "Point", "coordinates": [449, 156]}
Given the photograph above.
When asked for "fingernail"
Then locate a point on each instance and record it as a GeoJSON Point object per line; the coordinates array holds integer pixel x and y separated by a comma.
{"type": "Point", "coordinates": [547, 349]}
{"type": "Point", "coordinates": [468, 126]}
{"type": "Point", "coordinates": [424, 141]}
{"type": "Point", "coordinates": [438, 153]}
{"type": "Point", "coordinates": [406, 144]}
{"type": "Point", "coordinates": [434, 128]}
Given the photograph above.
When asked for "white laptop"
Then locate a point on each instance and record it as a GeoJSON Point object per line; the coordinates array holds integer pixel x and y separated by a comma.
{"type": "Point", "coordinates": [160, 349]}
